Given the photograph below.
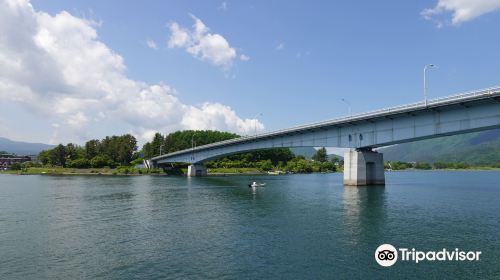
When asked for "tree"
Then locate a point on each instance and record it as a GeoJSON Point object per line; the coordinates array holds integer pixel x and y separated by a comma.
{"type": "Point", "coordinates": [320, 155]}
{"type": "Point", "coordinates": [100, 161]}
{"type": "Point", "coordinates": [266, 165]}
{"type": "Point", "coordinates": [15, 166]}
{"type": "Point", "coordinates": [126, 149]}
{"type": "Point", "coordinates": [423, 165]}
{"type": "Point", "coordinates": [79, 163]}
{"type": "Point", "coordinates": [74, 151]}
{"type": "Point", "coordinates": [43, 157]}
{"type": "Point", "coordinates": [57, 156]}
{"type": "Point", "coordinates": [92, 148]}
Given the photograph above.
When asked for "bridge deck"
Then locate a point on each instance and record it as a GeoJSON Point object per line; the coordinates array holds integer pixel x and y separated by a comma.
{"type": "Point", "coordinates": [433, 104]}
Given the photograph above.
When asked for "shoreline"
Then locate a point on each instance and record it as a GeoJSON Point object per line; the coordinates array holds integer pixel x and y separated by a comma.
{"type": "Point", "coordinates": [218, 172]}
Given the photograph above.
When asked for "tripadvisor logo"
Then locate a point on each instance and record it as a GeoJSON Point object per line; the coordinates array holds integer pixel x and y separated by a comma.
{"type": "Point", "coordinates": [387, 255]}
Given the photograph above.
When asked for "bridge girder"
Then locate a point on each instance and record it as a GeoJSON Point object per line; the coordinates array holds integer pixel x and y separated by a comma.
{"type": "Point", "coordinates": [453, 115]}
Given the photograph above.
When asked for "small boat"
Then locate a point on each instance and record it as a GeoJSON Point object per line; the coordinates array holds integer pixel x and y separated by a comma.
{"type": "Point", "coordinates": [255, 184]}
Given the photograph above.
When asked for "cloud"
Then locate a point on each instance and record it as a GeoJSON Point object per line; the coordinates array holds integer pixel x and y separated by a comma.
{"type": "Point", "coordinates": [202, 44]}
{"type": "Point", "coordinates": [215, 115]}
{"type": "Point", "coordinates": [56, 67]}
{"type": "Point", "coordinates": [462, 10]}
{"type": "Point", "coordinates": [280, 46]}
{"type": "Point", "coordinates": [77, 120]}
{"type": "Point", "coordinates": [244, 57]}
{"type": "Point", "coordinates": [151, 44]}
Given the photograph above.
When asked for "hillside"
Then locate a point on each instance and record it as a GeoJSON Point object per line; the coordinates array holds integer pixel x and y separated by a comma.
{"type": "Point", "coordinates": [478, 148]}
{"type": "Point", "coordinates": [306, 152]}
{"type": "Point", "coordinates": [22, 148]}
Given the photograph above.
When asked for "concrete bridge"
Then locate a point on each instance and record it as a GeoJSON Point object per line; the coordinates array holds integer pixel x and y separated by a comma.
{"type": "Point", "coordinates": [461, 113]}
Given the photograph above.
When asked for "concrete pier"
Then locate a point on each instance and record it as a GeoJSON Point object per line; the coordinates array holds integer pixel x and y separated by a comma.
{"type": "Point", "coordinates": [363, 167]}
{"type": "Point", "coordinates": [197, 170]}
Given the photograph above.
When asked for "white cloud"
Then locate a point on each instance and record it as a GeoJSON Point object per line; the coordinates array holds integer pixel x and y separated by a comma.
{"type": "Point", "coordinates": [151, 44]}
{"type": "Point", "coordinates": [57, 68]}
{"type": "Point", "coordinates": [77, 120]}
{"type": "Point", "coordinates": [202, 44]}
{"type": "Point", "coordinates": [462, 10]}
{"type": "Point", "coordinates": [215, 115]}
{"type": "Point", "coordinates": [244, 57]}
{"type": "Point", "coordinates": [280, 46]}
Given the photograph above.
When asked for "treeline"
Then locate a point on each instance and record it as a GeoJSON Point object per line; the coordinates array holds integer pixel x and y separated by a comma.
{"type": "Point", "coordinates": [281, 159]}
{"type": "Point", "coordinates": [122, 150]}
{"type": "Point", "coordinates": [181, 140]}
{"type": "Point", "coordinates": [270, 159]}
{"type": "Point", "coordinates": [111, 151]}
{"type": "Point", "coordinates": [399, 165]}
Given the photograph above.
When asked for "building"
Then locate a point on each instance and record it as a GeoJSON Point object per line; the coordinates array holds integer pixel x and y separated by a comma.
{"type": "Point", "coordinates": [6, 160]}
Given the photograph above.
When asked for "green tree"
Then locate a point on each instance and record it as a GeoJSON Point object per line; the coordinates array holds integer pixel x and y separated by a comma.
{"type": "Point", "coordinates": [57, 156]}
{"type": "Point", "coordinates": [15, 166]}
{"type": "Point", "coordinates": [79, 163]}
{"type": "Point", "coordinates": [266, 165]}
{"type": "Point", "coordinates": [320, 155]}
{"type": "Point", "coordinates": [127, 145]}
{"type": "Point", "coordinates": [153, 149]}
{"type": "Point", "coordinates": [100, 161]}
{"type": "Point", "coordinates": [423, 165]}
{"type": "Point", "coordinates": [43, 157]}
{"type": "Point", "coordinates": [92, 148]}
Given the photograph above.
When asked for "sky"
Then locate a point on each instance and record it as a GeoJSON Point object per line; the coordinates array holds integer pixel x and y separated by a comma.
{"type": "Point", "coordinates": [71, 71]}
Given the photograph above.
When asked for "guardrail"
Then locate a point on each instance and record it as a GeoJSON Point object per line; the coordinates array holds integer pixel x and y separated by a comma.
{"type": "Point", "coordinates": [477, 94]}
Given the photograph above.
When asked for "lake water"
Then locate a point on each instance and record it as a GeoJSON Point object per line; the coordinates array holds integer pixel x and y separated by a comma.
{"type": "Point", "coordinates": [297, 227]}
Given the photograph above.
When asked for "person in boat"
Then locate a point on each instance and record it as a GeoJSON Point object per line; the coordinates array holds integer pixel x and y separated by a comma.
{"type": "Point", "coordinates": [255, 184]}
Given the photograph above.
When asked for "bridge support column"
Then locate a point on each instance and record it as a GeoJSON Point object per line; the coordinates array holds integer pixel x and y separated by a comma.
{"type": "Point", "coordinates": [197, 170]}
{"type": "Point", "coordinates": [363, 167]}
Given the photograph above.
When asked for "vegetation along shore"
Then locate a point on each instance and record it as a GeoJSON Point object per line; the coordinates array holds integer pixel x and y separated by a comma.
{"type": "Point", "coordinates": [120, 155]}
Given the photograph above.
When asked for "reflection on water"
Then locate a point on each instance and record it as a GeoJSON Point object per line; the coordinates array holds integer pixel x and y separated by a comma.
{"type": "Point", "coordinates": [364, 210]}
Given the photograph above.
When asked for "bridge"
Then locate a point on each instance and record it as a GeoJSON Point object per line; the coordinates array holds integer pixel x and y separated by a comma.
{"type": "Point", "coordinates": [456, 114]}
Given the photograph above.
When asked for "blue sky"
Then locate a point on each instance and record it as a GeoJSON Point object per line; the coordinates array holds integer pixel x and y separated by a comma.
{"type": "Point", "coordinates": [291, 61]}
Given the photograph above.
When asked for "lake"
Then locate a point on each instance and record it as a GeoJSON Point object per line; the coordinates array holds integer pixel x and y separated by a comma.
{"type": "Point", "coordinates": [297, 227]}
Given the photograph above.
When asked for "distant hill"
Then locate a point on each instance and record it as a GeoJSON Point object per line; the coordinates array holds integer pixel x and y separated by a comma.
{"type": "Point", "coordinates": [479, 148]}
{"type": "Point", "coordinates": [306, 152]}
{"type": "Point", "coordinates": [22, 148]}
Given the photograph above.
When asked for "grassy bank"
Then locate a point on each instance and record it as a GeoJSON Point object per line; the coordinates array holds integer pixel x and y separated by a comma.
{"type": "Point", "coordinates": [121, 171]}
{"type": "Point", "coordinates": [211, 171]}
{"type": "Point", "coordinates": [83, 171]}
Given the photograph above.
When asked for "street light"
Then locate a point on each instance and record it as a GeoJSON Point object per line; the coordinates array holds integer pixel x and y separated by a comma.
{"type": "Point", "coordinates": [192, 145]}
{"type": "Point", "coordinates": [255, 123]}
{"type": "Point", "coordinates": [348, 105]}
{"type": "Point", "coordinates": [425, 81]}
{"type": "Point", "coordinates": [161, 148]}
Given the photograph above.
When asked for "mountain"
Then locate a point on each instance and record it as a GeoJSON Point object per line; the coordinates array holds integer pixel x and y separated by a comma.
{"type": "Point", "coordinates": [22, 148]}
{"type": "Point", "coordinates": [306, 152]}
{"type": "Point", "coordinates": [477, 148]}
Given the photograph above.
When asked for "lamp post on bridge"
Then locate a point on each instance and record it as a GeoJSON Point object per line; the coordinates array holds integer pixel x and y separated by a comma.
{"type": "Point", "coordinates": [425, 81]}
{"type": "Point", "coordinates": [192, 145]}
{"type": "Point", "coordinates": [255, 123]}
{"type": "Point", "coordinates": [348, 106]}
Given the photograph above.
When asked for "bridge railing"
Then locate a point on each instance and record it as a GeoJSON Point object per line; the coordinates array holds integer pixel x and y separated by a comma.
{"type": "Point", "coordinates": [414, 105]}
{"type": "Point", "coordinates": [401, 108]}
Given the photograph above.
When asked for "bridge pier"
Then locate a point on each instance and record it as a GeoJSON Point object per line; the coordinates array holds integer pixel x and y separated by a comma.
{"type": "Point", "coordinates": [363, 167]}
{"type": "Point", "coordinates": [197, 170]}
